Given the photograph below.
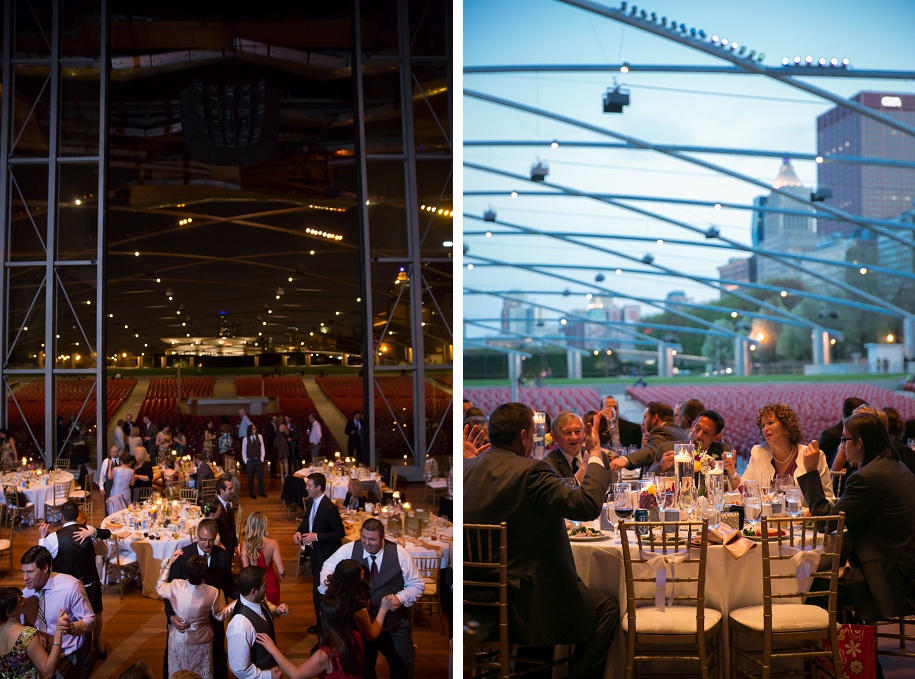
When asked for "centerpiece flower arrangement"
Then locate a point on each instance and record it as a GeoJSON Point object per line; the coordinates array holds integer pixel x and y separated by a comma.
{"type": "Point", "coordinates": [703, 463]}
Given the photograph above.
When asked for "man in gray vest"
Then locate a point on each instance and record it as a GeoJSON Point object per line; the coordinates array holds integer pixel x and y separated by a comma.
{"type": "Point", "coordinates": [253, 614]}
{"type": "Point", "coordinates": [253, 452]}
{"type": "Point", "coordinates": [390, 571]}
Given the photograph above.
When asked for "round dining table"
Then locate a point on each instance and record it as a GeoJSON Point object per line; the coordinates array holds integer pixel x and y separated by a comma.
{"type": "Point", "coordinates": [151, 545]}
{"type": "Point", "coordinates": [731, 583]}
{"type": "Point", "coordinates": [38, 492]}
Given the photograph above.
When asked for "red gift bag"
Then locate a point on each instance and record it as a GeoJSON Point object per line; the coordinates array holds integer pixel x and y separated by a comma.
{"type": "Point", "coordinates": [856, 651]}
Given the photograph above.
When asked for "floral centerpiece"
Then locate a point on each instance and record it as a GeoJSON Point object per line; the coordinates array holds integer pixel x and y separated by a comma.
{"type": "Point", "coordinates": [703, 463]}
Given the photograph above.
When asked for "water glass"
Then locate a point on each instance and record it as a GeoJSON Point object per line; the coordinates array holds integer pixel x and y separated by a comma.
{"type": "Point", "coordinates": [689, 496]}
{"type": "Point", "coordinates": [713, 515]}
{"type": "Point", "coordinates": [793, 501]}
{"type": "Point", "coordinates": [752, 502]}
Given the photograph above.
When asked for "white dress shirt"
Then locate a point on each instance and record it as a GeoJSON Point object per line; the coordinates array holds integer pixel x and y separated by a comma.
{"type": "Point", "coordinates": [413, 586]}
{"type": "Point", "coordinates": [314, 436]}
{"type": "Point", "coordinates": [240, 638]}
{"type": "Point", "coordinates": [314, 513]}
{"type": "Point", "coordinates": [65, 592]}
{"type": "Point", "coordinates": [50, 543]}
{"type": "Point", "coordinates": [244, 448]}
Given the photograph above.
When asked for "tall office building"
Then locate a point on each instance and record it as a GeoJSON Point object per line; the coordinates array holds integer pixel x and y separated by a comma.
{"type": "Point", "coordinates": [783, 232]}
{"type": "Point", "coordinates": [878, 191]}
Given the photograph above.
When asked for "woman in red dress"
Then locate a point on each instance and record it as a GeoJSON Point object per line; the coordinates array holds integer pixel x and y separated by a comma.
{"type": "Point", "coordinates": [263, 551]}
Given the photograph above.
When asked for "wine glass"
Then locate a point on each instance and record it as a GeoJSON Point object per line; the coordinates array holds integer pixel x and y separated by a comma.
{"type": "Point", "coordinates": [665, 496]}
{"type": "Point", "coordinates": [752, 502]}
{"type": "Point", "coordinates": [689, 497]}
{"type": "Point", "coordinates": [622, 500]}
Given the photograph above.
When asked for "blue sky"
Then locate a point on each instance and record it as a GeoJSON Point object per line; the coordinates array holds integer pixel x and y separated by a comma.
{"type": "Point", "coordinates": [711, 110]}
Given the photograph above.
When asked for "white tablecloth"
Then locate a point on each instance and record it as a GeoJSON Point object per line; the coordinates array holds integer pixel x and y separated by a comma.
{"type": "Point", "coordinates": [149, 552]}
{"type": "Point", "coordinates": [38, 493]}
{"type": "Point", "coordinates": [730, 584]}
{"type": "Point", "coordinates": [338, 484]}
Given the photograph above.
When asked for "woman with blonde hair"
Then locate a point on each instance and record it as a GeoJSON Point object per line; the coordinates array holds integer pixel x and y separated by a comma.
{"type": "Point", "coordinates": [263, 551]}
{"type": "Point", "coordinates": [134, 440]}
{"type": "Point", "coordinates": [164, 440]}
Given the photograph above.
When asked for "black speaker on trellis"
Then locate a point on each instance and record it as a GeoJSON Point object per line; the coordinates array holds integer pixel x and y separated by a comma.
{"type": "Point", "coordinates": [230, 124]}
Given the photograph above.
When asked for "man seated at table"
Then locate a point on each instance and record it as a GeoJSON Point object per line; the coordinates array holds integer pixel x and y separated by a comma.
{"type": "Point", "coordinates": [658, 421]}
{"type": "Point", "coordinates": [705, 434]}
{"type": "Point", "coordinates": [548, 604]}
{"type": "Point", "coordinates": [569, 458]}
{"type": "Point", "coordinates": [203, 473]}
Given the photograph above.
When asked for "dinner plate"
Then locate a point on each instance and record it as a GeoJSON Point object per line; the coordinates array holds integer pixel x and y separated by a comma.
{"type": "Point", "coordinates": [587, 538]}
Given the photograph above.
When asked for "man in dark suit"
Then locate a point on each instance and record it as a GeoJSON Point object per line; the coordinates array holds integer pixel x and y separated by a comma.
{"type": "Point", "coordinates": [622, 432]}
{"type": "Point", "coordinates": [658, 421]}
{"type": "Point", "coordinates": [225, 521]}
{"type": "Point", "coordinates": [321, 531]}
{"type": "Point", "coordinates": [150, 430]}
{"type": "Point", "coordinates": [203, 473]}
{"type": "Point", "coordinates": [570, 459]}
{"type": "Point", "coordinates": [353, 431]}
{"type": "Point", "coordinates": [829, 439]}
{"type": "Point", "coordinates": [548, 604]}
{"type": "Point", "coordinates": [219, 575]}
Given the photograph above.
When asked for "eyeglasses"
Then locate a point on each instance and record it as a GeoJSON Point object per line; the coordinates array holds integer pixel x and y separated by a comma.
{"type": "Point", "coordinates": [846, 439]}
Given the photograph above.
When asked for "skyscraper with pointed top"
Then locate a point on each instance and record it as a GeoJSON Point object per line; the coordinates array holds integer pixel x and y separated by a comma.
{"type": "Point", "coordinates": [791, 232]}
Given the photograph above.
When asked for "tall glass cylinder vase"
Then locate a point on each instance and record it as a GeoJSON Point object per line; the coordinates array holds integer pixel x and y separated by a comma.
{"type": "Point", "coordinates": [683, 465]}
{"type": "Point", "coordinates": [539, 435]}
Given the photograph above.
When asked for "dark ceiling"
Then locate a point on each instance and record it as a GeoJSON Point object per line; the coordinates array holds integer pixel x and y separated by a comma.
{"type": "Point", "coordinates": [231, 242]}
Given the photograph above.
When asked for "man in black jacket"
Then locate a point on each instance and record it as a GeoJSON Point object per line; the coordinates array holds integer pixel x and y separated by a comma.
{"type": "Point", "coordinates": [321, 532]}
{"type": "Point", "coordinates": [548, 603]}
{"type": "Point", "coordinates": [218, 575]}
{"type": "Point", "coordinates": [353, 431]}
{"type": "Point", "coordinates": [830, 438]}
{"type": "Point", "coordinates": [658, 421]}
{"type": "Point", "coordinates": [74, 555]}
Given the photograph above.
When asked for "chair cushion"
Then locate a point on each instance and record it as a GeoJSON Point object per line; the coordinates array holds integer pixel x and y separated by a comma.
{"type": "Point", "coordinates": [81, 494]}
{"type": "Point", "coordinates": [438, 484]}
{"type": "Point", "coordinates": [5, 545]}
{"type": "Point", "coordinates": [123, 559]}
{"type": "Point", "coordinates": [673, 620]}
{"type": "Point", "coordinates": [59, 502]}
{"type": "Point", "coordinates": [785, 617]}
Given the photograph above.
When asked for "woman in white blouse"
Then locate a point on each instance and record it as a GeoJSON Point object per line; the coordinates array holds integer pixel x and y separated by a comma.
{"type": "Point", "coordinates": [782, 453]}
{"type": "Point", "coordinates": [194, 602]}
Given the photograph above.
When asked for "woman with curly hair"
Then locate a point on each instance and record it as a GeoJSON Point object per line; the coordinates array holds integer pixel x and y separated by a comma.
{"type": "Point", "coordinates": [263, 551]}
{"type": "Point", "coordinates": [347, 583]}
{"type": "Point", "coordinates": [782, 453]}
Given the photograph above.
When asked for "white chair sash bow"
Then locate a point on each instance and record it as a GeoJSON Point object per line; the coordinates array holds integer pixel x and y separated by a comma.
{"type": "Point", "coordinates": [658, 564]}
{"type": "Point", "coordinates": [806, 562]}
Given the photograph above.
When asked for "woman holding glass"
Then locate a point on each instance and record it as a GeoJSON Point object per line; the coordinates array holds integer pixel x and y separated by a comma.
{"type": "Point", "coordinates": [877, 501]}
{"type": "Point", "coordinates": [782, 453]}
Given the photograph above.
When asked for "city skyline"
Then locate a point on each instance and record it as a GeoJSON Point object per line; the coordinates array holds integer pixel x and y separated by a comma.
{"type": "Point", "coordinates": [733, 112]}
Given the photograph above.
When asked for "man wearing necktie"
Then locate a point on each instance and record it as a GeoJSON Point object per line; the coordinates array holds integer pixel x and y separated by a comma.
{"type": "Point", "coordinates": [225, 521]}
{"type": "Point", "coordinates": [59, 592]}
{"type": "Point", "coordinates": [391, 572]}
{"type": "Point", "coordinates": [219, 575]}
{"type": "Point", "coordinates": [253, 615]}
{"type": "Point", "coordinates": [321, 533]}
{"type": "Point", "coordinates": [252, 454]}
{"type": "Point", "coordinates": [566, 460]}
